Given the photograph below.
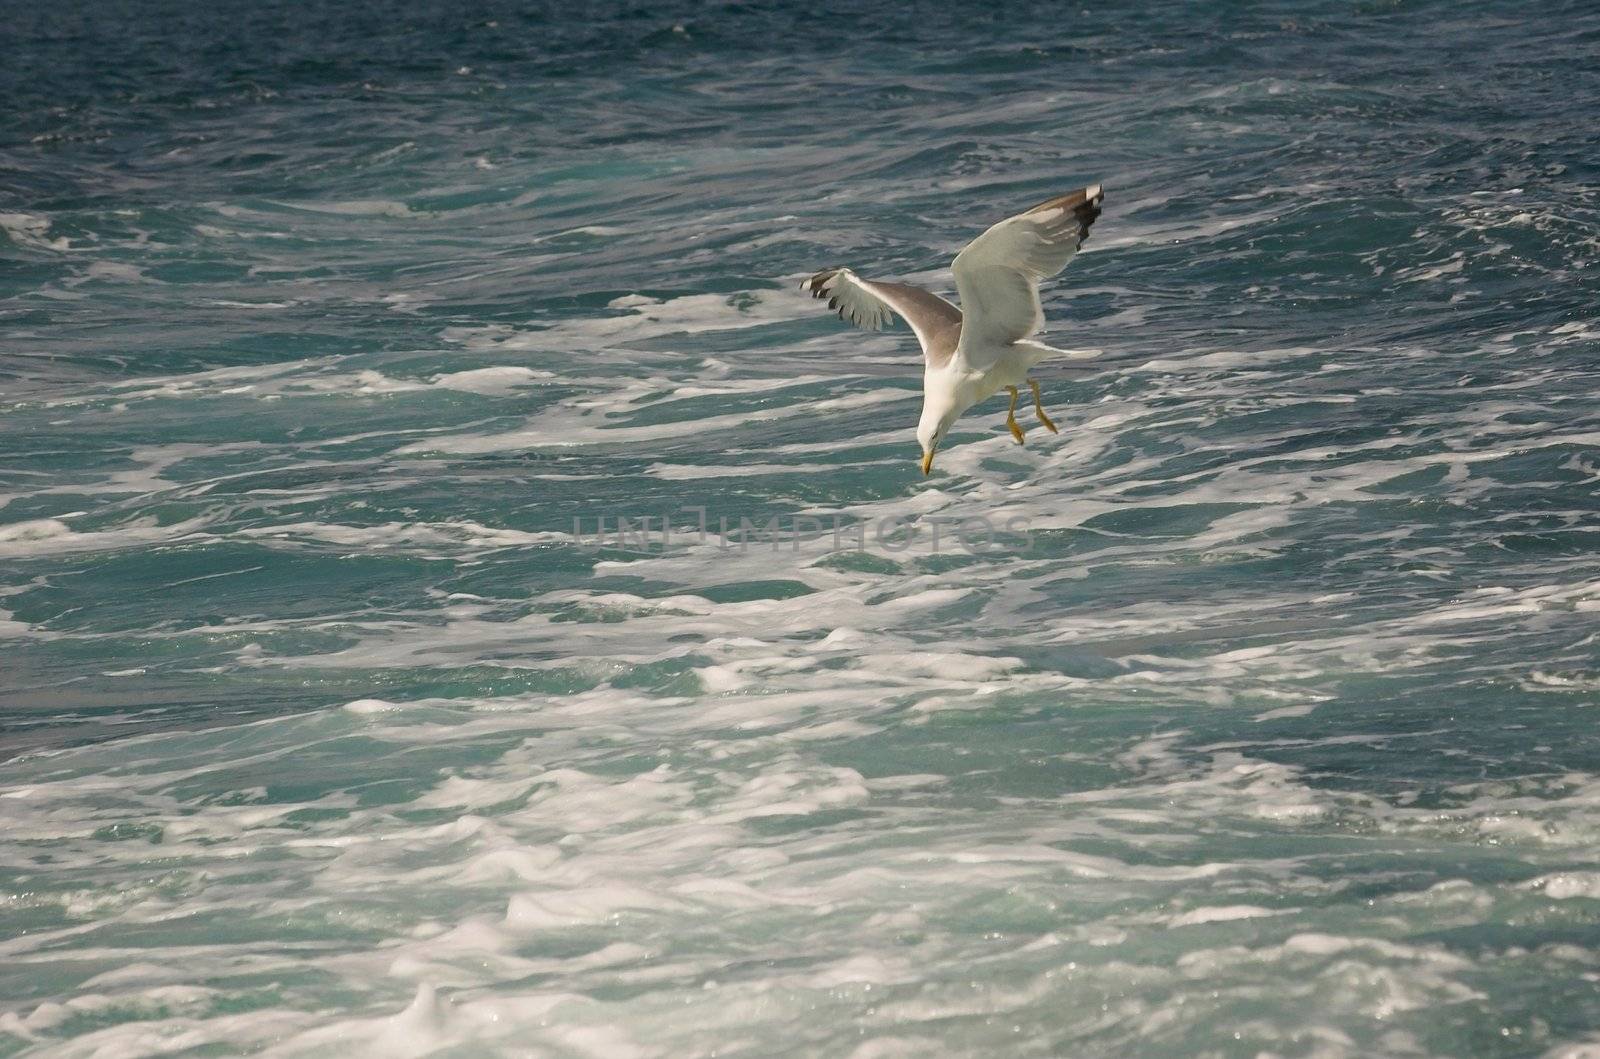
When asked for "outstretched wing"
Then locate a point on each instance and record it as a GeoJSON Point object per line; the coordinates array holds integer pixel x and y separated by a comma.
{"type": "Point", "coordinates": [871, 305]}
{"type": "Point", "coordinates": [998, 273]}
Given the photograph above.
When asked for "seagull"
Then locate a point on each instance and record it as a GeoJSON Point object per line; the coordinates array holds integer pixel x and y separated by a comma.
{"type": "Point", "coordinates": [969, 357]}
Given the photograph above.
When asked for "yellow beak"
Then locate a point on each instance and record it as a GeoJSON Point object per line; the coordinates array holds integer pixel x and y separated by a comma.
{"type": "Point", "coordinates": [927, 462]}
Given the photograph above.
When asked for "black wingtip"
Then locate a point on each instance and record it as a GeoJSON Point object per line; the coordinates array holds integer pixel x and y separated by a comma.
{"type": "Point", "coordinates": [818, 281]}
{"type": "Point", "coordinates": [1088, 211]}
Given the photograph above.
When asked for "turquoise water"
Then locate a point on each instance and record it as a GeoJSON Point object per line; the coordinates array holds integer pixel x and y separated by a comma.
{"type": "Point", "coordinates": [1271, 732]}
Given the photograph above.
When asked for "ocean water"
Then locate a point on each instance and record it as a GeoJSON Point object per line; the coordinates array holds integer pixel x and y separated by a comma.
{"type": "Point", "coordinates": [325, 729]}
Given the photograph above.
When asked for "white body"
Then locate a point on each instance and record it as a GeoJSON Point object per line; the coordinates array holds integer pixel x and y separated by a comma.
{"type": "Point", "coordinates": [956, 387]}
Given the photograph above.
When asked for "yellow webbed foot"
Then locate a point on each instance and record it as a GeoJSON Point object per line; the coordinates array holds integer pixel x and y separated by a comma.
{"type": "Point", "coordinates": [1038, 408]}
{"type": "Point", "coordinates": [1011, 416]}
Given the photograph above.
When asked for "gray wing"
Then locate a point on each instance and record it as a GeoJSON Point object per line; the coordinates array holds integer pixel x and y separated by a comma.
{"type": "Point", "coordinates": [872, 304]}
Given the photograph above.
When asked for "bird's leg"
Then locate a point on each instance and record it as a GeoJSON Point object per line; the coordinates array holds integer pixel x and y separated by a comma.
{"type": "Point", "coordinates": [1038, 408]}
{"type": "Point", "coordinates": [1011, 416]}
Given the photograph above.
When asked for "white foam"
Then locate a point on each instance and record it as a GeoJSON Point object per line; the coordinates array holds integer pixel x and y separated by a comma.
{"type": "Point", "coordinates": [29, 230]}
{"type": "Point", "coordinates": [371, 706]}
{"type": "Point", "coordinates": [1221, 914]}
{"type": "Point", "coordinates": [359, 208]}
{"type": "Point", "coordinates": [405, 536]}
{"type": "Point", "coordinates": [492, 381]}
{"type": "Point", "coordinates": [40, 537]}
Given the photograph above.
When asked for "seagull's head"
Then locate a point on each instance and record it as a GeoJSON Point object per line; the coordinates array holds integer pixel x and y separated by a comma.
{"type": "Point", "coordinates": [935, 423]}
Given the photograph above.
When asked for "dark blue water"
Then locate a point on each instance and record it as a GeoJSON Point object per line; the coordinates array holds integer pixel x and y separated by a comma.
{"type": "Point", "coordinates": [329, 333]}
